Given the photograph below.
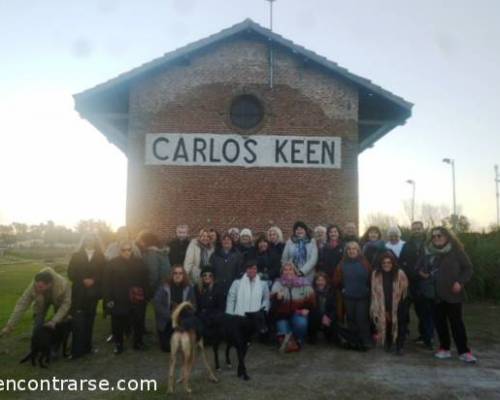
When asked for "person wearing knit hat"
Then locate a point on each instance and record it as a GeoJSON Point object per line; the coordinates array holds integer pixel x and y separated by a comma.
{"type": "Point", "coordinates": [302, 250]}
{"type": "Point", "coordinates": [246, 246]}
{"type": "Point", "coordinates": [395, 244]}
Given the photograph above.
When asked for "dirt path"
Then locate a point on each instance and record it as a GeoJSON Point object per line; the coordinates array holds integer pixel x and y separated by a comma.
{"type": "Point", "coordinates": [319, 372]}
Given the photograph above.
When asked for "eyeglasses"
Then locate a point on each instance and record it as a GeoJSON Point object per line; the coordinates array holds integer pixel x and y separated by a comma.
{"type": "Point", "coordinates": [437, 235]}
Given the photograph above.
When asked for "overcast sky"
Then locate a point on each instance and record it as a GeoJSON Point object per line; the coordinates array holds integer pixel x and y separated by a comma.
{"type": "Point", "coordinates": [443, 56]}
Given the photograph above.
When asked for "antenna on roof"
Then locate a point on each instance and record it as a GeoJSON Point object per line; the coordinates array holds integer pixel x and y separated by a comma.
{"type": "Point", "coordinates": [271, 55]}
{"type": "Point", "coordinates": [271, 13]}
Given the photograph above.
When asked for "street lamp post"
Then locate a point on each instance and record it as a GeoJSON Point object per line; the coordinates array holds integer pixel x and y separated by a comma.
{"type": "Point", "coordinates": [412, 182]}
{"type": "Point", "coordinates": [497, 181]}
{"type": "Point", "coordinates": [451, 161]}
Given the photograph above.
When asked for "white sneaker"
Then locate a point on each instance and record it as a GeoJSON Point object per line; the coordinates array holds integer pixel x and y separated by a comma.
{"type": "Point", "coordinates": [443, 354]}
{"type": "Point", "coordinates": [468, 358]}
{"type": "Point", "coordinates": [284, 344]}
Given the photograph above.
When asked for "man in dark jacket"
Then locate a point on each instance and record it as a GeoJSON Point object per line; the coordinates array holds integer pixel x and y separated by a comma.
{"type": "Point", "coordinates": [226, 263]}
{"type": "Point", "coordinates": [179, 245]}
{"type": "Point", "coordinates": [85, 271]}
{"type": "Point", "coordinates": [126, 289]}
{"type": "Point", "coordinates": [413, 250]}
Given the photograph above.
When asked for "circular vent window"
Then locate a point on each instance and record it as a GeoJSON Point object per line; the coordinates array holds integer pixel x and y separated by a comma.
{"type": "Point", "coordinates": [246, 112]}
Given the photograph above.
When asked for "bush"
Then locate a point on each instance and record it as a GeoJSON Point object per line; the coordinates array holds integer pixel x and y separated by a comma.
{"type": "Point", "coordinates": [484, 252]}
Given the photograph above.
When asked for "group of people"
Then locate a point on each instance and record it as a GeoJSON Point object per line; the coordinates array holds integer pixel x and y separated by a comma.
{"type": "Point", "coordinates": [356, 291]}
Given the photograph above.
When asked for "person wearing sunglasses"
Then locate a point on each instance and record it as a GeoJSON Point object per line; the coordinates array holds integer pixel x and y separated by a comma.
{"type": "Point", "coordinates": [126, 290]}
{"type": "Point", "coordinates": [175, 289]}
{"type": "Point", "coordinates": [445, 269]}
{"type": "Point", "coordinates": [210, 304]}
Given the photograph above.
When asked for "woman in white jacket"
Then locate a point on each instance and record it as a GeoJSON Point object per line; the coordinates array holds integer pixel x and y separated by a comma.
{"type": "Point", "coordinates": [301, 249]}
{"type": "Point", "coordinates": [198, 255]}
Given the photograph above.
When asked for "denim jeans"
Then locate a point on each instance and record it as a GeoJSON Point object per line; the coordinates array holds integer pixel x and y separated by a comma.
{"type": "Point", "coordinates": [296, 324]}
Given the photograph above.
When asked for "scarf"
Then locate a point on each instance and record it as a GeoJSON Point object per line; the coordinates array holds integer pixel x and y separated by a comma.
{"type": "Point", "coordinates": [296, 281]}
{"type": "Point", "coordinates": [204, 256]}
{"type": "Point", "coordinates": [249, 296]}
{"type": "Point", "coordinates": [434, 252]}
{"type": "Point", "coordinates": [300, 252]}
{"type": "Point", "coordinates": [334, 243]}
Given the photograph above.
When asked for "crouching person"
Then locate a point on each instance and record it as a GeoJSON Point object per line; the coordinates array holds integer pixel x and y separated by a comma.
{"type": "Point", "coordinates": [292, 300]}
{"type": "Point", "coordinates": [47, 289]}
{"type": "Point", "coordinates": [126, 291]}
{"type": "Point", "coordinates": [389, 309]}
{"type": "Point", "coordinates": [175, 290]}
{"type": "Point", "coordinates": [323, 317]}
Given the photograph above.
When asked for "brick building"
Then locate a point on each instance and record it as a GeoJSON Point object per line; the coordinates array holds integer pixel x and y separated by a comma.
{"type": "Point", "coordinates": [243, 128]}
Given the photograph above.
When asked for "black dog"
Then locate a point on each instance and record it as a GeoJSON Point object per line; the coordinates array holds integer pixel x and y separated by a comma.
{"type": "Point", "coordinates": [45, 340]}
{"type": "Point", "coordinates": [237, 332]}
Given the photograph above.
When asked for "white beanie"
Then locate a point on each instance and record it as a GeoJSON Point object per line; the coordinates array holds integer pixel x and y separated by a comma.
{"type": "Point", "coordinates": [394, 231]}
{"type": "Point", "coordinates": [246, 232]}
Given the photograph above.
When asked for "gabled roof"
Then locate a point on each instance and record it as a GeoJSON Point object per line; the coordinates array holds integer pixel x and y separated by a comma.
{"type": "Point", "coordinates": [373, 98]}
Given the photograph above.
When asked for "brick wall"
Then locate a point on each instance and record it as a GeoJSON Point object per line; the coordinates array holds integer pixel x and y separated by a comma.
{"type": "Point", "coordinates": [195, 97]}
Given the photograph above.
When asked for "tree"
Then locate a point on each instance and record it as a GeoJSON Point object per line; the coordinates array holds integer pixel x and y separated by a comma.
{"type": "Point", "coordinates": [460, 223]}
{"type": "Point", "coordinates": [99, 227]}
{"type": "Point", "coordinates": [383, 221]}
{"type": "Point", "coordinates": [432, 214]}
{"type": "Point", "coordinates": [20, 230]}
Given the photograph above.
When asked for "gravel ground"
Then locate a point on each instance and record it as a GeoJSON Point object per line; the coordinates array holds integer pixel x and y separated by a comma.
{"type": "Point", "coordinates": [319, 372]}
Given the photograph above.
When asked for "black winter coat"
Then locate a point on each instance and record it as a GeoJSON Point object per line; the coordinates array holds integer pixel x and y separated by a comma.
{"type": "Point", "coordinates": [120, 276]}
{"type": "Point", "coordinates": [248, 253]}
{"type": "Point", "coordinates": [412, 251]}
{"type": "Point", "coordinates": [210, 302]}
{"type": "Point", "coordinates": [80, 268]}
{"type": "Point", "coordinates": [226, 267]}
{"type": "Point", "coordinates": [330, 257]}
{"type": "Point", "coordinates": [178, 250]}
{"type": "Point", "coordinates": [269, 265]}
{"type": "Point", "coordinates": [326, 304]}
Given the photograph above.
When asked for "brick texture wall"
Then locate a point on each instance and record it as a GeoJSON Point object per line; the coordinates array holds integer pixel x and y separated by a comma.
{"type": "Point", "coordinates": [194, 98]}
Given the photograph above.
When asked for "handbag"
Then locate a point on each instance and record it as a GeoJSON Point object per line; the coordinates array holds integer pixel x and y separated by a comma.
{"type": "Point", "coordinates": [136, 295]}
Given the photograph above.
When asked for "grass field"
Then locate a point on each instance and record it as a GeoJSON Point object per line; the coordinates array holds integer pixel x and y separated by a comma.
{"type": "Point", "coordinates": [319, 372]}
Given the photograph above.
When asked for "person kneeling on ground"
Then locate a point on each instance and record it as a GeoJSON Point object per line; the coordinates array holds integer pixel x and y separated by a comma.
{"type": "Point", "coordinates": [292, 300]}
{"type": "Point", "coordinates": [324, 316]}
{"type": "Point", "coordinates": [388, 306]}
{"type": "Point", "coordinates": [47, 289]}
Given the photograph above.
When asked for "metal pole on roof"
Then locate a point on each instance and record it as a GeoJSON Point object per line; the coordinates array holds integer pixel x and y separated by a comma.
{"type": "Point", "coordinates": [271, 13]}
{"type": "Point", "coordinates": [271, 55]}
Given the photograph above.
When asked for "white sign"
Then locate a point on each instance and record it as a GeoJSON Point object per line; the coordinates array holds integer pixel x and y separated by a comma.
{"type": "Point", "coordinates": [207, 149]}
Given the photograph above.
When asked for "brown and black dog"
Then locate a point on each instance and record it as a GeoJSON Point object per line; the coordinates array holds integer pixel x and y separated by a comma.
{"type": "Point", "coordinates": [185, 338]}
